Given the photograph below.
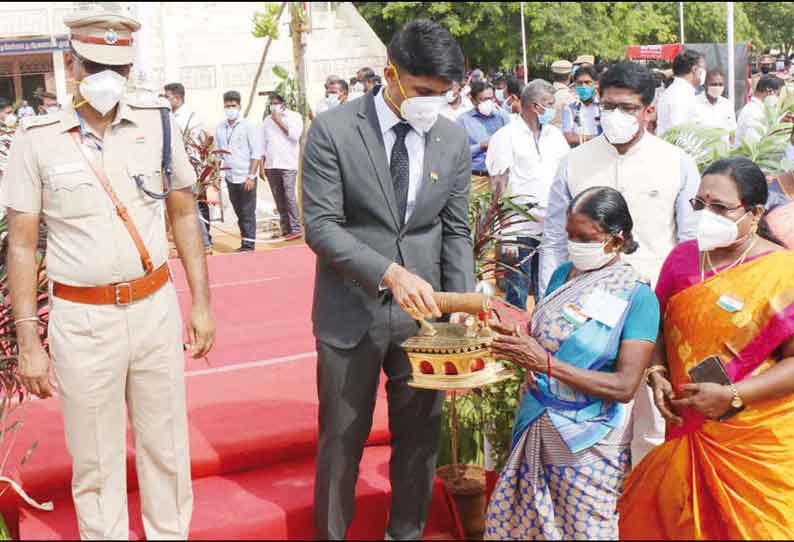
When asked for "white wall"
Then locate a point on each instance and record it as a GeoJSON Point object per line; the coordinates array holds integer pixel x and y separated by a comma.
{"type": "Point", "coordinates": [209, 48]}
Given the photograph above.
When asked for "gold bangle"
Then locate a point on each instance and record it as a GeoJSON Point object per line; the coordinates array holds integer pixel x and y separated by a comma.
{"type": "Point", "coordinates": [28, 319]}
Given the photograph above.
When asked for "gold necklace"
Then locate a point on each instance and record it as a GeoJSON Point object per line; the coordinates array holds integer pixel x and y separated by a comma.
{"type": "Point", "coordinates": [739, 261]}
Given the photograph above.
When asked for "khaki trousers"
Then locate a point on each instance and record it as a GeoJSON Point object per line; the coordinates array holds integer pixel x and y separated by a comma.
{"type": "Point", "coordinates": [106, 357]}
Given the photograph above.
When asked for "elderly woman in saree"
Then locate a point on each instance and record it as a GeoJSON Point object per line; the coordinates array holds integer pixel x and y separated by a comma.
{"type": "Point", "coordinates": [723, 377]}
{"type": "Point", "coordinates": [589, 344]}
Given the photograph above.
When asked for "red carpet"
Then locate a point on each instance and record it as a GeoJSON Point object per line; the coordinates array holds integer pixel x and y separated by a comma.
{"type": "Point", "coordinates": [252, 415]}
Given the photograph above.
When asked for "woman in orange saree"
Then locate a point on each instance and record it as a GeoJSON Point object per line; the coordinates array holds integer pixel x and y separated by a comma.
{"type": "Point", "coordinates": [721, 475]}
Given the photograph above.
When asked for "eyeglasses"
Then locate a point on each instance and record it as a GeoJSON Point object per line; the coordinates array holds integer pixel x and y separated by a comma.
{"type": "Point", "coordinates": [720, 208]}
{"type": "Point", "coordinates": [629, 109]}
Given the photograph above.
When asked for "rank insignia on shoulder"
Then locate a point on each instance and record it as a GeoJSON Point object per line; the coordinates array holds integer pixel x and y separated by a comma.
{"type": "Point", "coordinates": [38, 120]}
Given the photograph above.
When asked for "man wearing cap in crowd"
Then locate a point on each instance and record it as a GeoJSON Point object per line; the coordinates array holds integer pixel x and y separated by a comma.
{"type": "Point", "coordinates": [584, 60]}
{"type": "Point", "coordinates": [563, 97]}
{"type": "Point", "coordinates": [766, 66]}
{"type": "Point", "coordinates": [93, 171]}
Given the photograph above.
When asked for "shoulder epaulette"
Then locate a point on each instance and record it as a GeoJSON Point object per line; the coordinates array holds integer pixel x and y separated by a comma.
{"type": "Point", "coordinates": [38, 120]}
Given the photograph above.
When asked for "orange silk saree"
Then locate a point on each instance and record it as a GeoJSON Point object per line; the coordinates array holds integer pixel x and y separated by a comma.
{"type": "Point", "coordinates": [731, 479]}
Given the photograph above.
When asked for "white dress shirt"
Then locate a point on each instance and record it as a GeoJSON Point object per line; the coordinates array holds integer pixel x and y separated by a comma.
{"type": "Point", "coordinates": [677, 106]}
{"type": "Point", "coordinates": [414, 143]}
{"type": "Point", "coordinates": [717, 115]}
{"type": "Point", "coordinates": [187, 120]}
{"type": "Point", "coordinates": [750, 118]}
{"type": "Point", "coordinates": [280, 150]}
{"type": "Point", "coordinates": [532, 164]}
{"type": "Point", "coordinates": [453, 114]}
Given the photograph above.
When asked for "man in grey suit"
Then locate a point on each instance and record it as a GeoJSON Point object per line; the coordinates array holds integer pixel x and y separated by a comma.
{"type": "Point", "coordinates": [385, 199]}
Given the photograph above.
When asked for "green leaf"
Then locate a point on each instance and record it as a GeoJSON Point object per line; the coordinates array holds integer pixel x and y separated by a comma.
{"type": "Point", "coordinates": [280, 72]}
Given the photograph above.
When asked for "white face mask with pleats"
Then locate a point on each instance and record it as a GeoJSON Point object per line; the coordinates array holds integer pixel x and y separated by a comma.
{"type": "Point", "coordinates": [589, 256]}
{"type": "Point", "coordinates": [716, 231]}
{"type": "Point", "coordinates": [103, 90]}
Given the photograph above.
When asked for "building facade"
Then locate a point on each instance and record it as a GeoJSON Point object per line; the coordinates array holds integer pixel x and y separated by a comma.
{"type": "Point", "coordinates": [207, 46]}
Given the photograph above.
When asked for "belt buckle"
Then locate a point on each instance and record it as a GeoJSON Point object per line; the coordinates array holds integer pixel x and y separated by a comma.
{"type": "Point", "coordinates": [118, 290]}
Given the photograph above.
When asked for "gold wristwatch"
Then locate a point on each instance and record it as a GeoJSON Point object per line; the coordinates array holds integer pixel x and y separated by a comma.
{"type": "Point", "coordinates": [737, 401]}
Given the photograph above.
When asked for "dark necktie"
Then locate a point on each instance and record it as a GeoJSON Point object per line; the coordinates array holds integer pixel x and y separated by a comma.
{"type": "Point", "coordinates": [399, 168]}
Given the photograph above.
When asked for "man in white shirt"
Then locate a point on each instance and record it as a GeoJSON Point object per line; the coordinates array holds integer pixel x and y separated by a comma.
{"type": "Point", "coordinates": [522, 160]}
{"type": "Point", "coordinates": [678, 104]}
{"type": "Point", "coordinates": [456, 103]}
{"type": "Point", "coordinates": [748, 125]}
{"type": "Point", "coordinates": [713, 110]}
{"type": "Point", "coordinates": [281, 133]}
{"type": "Point", "coordinates": [192, 131]}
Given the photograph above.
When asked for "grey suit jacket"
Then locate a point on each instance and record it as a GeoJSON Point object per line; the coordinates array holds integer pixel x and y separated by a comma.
{"type": "Point", "coordinates": [351, 221]}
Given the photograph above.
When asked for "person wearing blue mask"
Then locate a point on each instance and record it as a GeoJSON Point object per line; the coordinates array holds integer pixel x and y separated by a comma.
{"type": "Point", "coordinates": [581, 119]}
{"type": "Point", "coordinates": [522, 160]}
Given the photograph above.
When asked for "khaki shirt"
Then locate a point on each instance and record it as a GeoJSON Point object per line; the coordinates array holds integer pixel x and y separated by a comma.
{"type": "Point", "coordinates": [563, 97]}
{"type": "Point", "coordinates": [87, 243]}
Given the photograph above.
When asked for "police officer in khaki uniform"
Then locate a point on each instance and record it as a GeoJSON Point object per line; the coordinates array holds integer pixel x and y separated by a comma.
{"type": "Point", "coordinates": [766, 66]}
{"type": "Point", "coordinates": [91, 171]}
{"type": "Point", "coordinates": [561, 79]}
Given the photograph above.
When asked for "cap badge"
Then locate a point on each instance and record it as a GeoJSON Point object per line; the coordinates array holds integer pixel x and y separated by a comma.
{"type": "Point", "coordinates": [111, 37]}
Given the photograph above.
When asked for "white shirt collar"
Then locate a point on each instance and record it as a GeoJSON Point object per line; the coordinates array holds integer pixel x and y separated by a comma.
{"type": "Point", "coordinates": [182, 111]}
{"type": "Point", "coordinates": [522, 125]}
{"type": "Point", "coordinates": [386, 117]}
{"type": "Point", "coordinates": [683, 83]}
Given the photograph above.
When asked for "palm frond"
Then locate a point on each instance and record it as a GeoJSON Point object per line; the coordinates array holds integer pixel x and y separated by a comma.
{"type": "Point", "coordinates": [765, 144]}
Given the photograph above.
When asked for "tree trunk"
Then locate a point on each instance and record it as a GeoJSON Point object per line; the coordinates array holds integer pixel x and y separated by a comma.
{"type": "Point", "coordinates": [262, 65]}
{"type": "Point", "coordinates": [299, 61]}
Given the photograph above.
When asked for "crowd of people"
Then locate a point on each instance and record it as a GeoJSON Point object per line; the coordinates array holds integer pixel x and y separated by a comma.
{"type": "Point", "coordinates": [643, 269]}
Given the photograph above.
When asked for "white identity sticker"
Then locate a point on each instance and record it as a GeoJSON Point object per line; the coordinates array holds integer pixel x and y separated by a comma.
{"type": "Point", "coordinates": [605, 307]}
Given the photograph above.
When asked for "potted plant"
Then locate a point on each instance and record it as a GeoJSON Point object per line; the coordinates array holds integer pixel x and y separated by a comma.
{"type": "Point", "coordinates": [12, 393]}
{"type": "Point", "coordinates": [482, 414]}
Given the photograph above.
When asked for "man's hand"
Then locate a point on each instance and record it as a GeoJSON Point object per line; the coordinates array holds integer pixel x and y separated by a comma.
{"type": "Point", "coordinates": [411, 292]}
{"type": "Point", "coordinates": [34, 371]}
{"type": "Point", "coordinates": [249, 185]}
{"type": "Point", "coordinates": [201, 331]}
{"type": "Point", "coordinates": [484, 145]}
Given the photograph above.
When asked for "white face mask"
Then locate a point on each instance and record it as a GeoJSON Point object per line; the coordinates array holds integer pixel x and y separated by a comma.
{"type": "Point", "coordinates": [278, 108]}
{"type": "Point", "coordinates": [771, 101]}
{"type": "Point", "coordinates": [486, 108]}
{"type": "Point", "coordinates": [103, 90]}
{"type": "Point", "coordinates": [588, 256]}
{"type": "Point", "coordinates": [231, 113]}
{"type": "Point", "coordinates": [11, 120]}
{"type": "Point", "coordinates": [715, 91]}
{"type": "Point", "coordinates": [53, 109]}
{"type": "Point", "coordinates": [332, 100]}
{"type": "Point", "coordinates": [619, 127]}
{"type": "Point", "coordinates": [716, 231]}
{"type": "Point", "coordinates": [358, 88]}
{"type": "Point", "coordinates": [450, 96]}
{"type": "Point", "coordinates": [421, 112]}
